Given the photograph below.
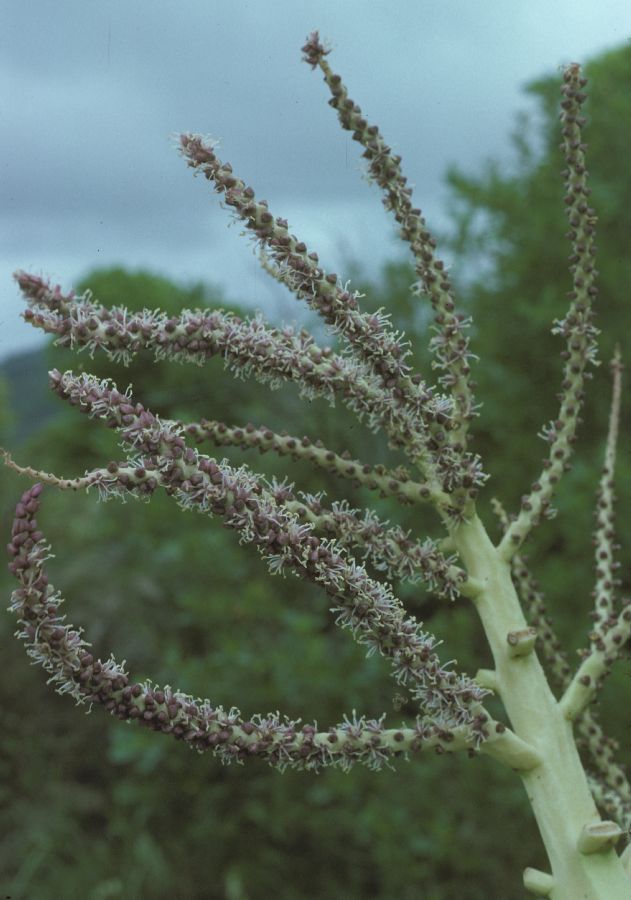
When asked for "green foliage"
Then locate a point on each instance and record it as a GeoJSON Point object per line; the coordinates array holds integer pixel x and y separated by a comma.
{"type": "Point", "coordinates": [93, 808]}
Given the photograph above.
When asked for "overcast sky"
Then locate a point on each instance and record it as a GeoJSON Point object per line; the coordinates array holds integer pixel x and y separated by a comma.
{"type": "Point", "coordinates": [94, 91]}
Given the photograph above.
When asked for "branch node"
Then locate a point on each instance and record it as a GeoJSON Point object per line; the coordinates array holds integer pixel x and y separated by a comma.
{"type": "Point", "coordinates": [598, 836]}
{"type": "Point", "coordinates": [521, 642]}
{"type": "Point", "coordinates": [487, 678]}
{"type": "Point", "coordinates": [506, 747]}
{"type": "Point", "coordinates": [538, 882]}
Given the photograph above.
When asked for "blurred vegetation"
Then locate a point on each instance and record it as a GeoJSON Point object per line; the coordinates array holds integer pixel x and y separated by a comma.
{"type": "Point", "coordinates": [92, 808]}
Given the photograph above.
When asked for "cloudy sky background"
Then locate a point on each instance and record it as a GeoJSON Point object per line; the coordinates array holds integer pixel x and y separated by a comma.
{"type": "Point", "coordinates": [95, 92]}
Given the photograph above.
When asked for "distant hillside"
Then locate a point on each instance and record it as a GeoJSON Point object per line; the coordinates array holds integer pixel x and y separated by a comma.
{"type": "Point", "coordinates": [30, 401]}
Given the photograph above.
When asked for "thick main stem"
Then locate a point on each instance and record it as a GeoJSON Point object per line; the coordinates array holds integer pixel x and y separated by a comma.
{"type": "Point", "coordinates": [557, 788]}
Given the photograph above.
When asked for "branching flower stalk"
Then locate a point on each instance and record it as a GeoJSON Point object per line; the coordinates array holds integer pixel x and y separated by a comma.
{"type": "Point", "coordinates": [349, 552]}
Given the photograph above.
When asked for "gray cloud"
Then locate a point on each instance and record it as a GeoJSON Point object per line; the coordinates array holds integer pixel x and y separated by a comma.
{"type": "Point", "coordinates": [94, 93]}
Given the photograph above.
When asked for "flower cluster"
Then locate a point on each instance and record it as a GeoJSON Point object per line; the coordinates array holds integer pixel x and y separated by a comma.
{"type": "Point", "coordinates": [249, 346]}
{"type": "Point", "coordinates": [259, 513]}
{"type": "Point", "coordinates": [577, 327]}
{"type": "Point", "coordinates": [451, 345]}
{"type": "Point", "coordinates": [283, 743]}
{"type": "Point", "coordinates": [389, 549]}
{"type": "Point", "coordinates": [607, 580]}
{"type": "Point", "coordinates": [612, 629]}
{"type": "Point", "coordinates": [344, 550]}
{"type": "Point", "coordinates": [369, 338]}
{"type": "Point", "coordinates": [390, 483]}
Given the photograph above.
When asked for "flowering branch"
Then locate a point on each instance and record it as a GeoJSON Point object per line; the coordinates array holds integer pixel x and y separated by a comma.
{"type": "Point", "coordinates": [604, 538]}
{"type": "Point", "coordinates": [576, 327]}
{"type": "Point", "coordinates": [607, 777]}
{"type": "Point", "coordinates": [368, 608]}
{"type": "Point", "coordinates": [389, 550]}
{"type": "Point", "coordinates": [390, 483]}
{"type": "Point", "coordinates": [596, 665]}
{"type": "Point", "coordinates": [451, 345]}
{"type": "Point", "coordinates": [368, 336]}
{"type": "Point", "coordinates": [611, 787]}
{"type": "Point", "coordinates": [249, 348]}
{"type": "Point", "coordinates": [612, 629]}
{"type": "Point", "coordinates": [61, 650]}
{"type": "Point", "coordinates": [610, 801]}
